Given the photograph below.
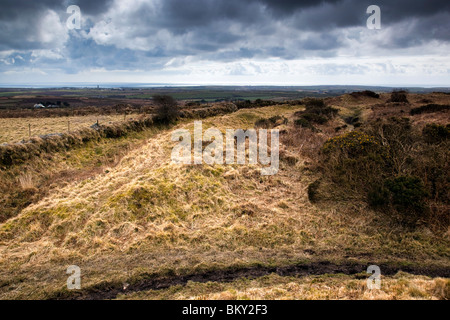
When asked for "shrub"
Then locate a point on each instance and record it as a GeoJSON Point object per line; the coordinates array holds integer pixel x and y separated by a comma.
{"type": "Point", "coordinates": [316, 111]}
{"type": "Point", "coordinates": [263, 123]}
{"type": "Point", "coordinates": [365, 93]}
{"type": "Point", "coordinates": [434, 133]}
{"type": "Point", "coordinates": [400, 139]}
{"type": "Point", "coordinates": [355, 161]}
{"type": "Point", "coordinates": [313, 191]}
{"type": "Point", "coordinates": [393, 169]}
{"type": "Point", "coordinates": [407, 193]}
{"type": "Point", "coordinates": [271, 122]}
{"type": "Point", "coordinates": [351, 120]}
{"type": "Point", "coordinates": [337, 129]}
{"type": "Point", "coordinates": [315, 118]}
{"type": "Point", "coordinates": [433, 167]}
{"type": "Point", "coordinates": [193, 104]}
{"type": "Point", "coordinates": [278, 119]}
{"type": "Point", "coordinates": [378, 197]}
{"type": "Point", "coordinates": [303, 123]}
{"type": "Point", "coordinates": [429, 108]}
{"type": "Point", "coordinates": [313, 103]}
{"type": "Point", "coordinates": [399, 96]}
{"type": "Point", "coordinates": [258, 103]}
{"type": "Point", "coordinates": [371, 94]}
{"type": "Point", "coordinates": [353, 144]}
{"type": "Point", "coordinates": [328, 112]}
{"type": "Point", "coordinates": [167, 110]}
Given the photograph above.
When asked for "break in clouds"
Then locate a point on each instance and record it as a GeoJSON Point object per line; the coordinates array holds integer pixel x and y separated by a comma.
{"type": "Point", "coordinates": [225, 41]}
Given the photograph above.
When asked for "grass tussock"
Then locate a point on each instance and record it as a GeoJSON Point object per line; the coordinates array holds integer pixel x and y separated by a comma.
{"type": "Point", "coordinates": [402, 286]}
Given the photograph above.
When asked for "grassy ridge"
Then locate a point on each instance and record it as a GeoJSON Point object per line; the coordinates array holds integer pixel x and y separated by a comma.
{"type": "Point", "coordinates": [144, 216]}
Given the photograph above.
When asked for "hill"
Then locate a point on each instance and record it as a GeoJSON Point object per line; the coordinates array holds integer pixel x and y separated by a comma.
{"type": "Point", "coordinates": [140, 226]}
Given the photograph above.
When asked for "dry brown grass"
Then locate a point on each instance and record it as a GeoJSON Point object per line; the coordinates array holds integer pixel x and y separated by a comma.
{"type": "Point", "coordinates": [147, 215]}
{"type": "Point", "coordinates": [402, 286]}
{"type": "Point", "coordinates": [26, 181]}
{"type": "Point", "coordinates": [17, 129]}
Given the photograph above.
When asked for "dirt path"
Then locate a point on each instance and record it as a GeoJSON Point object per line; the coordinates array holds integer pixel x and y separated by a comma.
{"type": "Point", "coordinates": [153, 282]}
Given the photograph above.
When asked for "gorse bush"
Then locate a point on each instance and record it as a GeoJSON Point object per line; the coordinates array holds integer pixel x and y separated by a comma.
{"type": "Point", "coordinates": [405, 195]}
{"type": "Point", "coordinates": [434, 133]}
{"type": "Point", "coordinates": [353, 144]}
{"type": "Point", "coordinates": [383, 149]}
{"type": "Point", "coordinates": [355, 161]}
{"type": "Point", "coordinates": [433, 167]}
{"type": "Point", "coordinates": [378, 197]}
{"type": "Point", "coordinates": [395, 168]}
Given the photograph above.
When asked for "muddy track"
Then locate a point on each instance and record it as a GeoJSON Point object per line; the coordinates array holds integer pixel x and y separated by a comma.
{"type": "Point", "coordinates": [106, 291]}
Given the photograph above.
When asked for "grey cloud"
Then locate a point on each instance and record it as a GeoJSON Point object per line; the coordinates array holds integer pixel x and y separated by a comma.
{"type": "Point", "coordinates": [224, 30]}
{"type": "Point", "coordinates": [22, 21]}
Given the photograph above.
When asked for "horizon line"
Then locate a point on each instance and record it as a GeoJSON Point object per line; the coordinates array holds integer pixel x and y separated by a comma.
{"type": "Point", "coordinates": [174, 85]}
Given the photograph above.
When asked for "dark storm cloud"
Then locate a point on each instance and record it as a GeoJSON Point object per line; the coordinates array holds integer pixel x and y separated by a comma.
{"type": "Point", "coordinates": [203, 17]}
{"type": "Point", "coordinates": [12, 9]}
{"type": "Point", "coordinates": [91, 7]}
{"type": "Point", "coordinates": [352, 13]}
{"type": "Point", "coordinates": [224, 30]}
{"type": "Point", "coordinates": [21, 21]}
{"type": "Point", "coordinates": [287, 7]}
{"type": "Point", "coordinates": [406, 9]}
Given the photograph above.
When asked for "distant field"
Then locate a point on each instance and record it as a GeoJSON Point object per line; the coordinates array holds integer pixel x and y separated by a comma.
{"type": "Point", "coordinates": [82, 97]}
{"type": "Point", "coordinates": [17, 129]}
{"type": "Point", "coordinates": [212, 95]}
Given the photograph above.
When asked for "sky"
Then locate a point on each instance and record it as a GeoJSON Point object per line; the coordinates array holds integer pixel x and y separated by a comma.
{"type": "Point", "coordinates": [225, 42]}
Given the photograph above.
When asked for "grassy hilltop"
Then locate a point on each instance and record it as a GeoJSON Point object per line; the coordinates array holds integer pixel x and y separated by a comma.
{"type": "Point", "coordinates": [363, 180]}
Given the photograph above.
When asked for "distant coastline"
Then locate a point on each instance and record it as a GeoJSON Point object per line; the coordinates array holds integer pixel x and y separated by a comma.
{"type": "Point", "coordinates": [381, 88]}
